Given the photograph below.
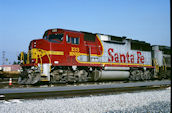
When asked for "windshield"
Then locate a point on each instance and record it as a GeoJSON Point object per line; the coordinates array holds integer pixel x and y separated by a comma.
{"type": "Point", "coordinates": [58, 38]}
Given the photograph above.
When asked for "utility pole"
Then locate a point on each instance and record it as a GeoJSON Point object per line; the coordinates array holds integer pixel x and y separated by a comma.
{"type": "Point", "coordinates": [3, 57]}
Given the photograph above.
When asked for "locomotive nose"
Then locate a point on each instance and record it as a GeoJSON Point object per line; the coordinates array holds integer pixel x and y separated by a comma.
{"type": "Point", "coordinates": [33, 44]}
{"type": "Point", "coordinates": [34, 51]}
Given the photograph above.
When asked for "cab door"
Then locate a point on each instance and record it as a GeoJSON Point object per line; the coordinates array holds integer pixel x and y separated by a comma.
{"type": "Point", "coordinates": [72, 47]}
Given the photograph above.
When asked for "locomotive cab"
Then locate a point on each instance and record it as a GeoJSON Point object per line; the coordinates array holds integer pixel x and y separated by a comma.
{"type": "Point", "coordinates": [53, 36]}
{"type": "Point", "coordinates": [57, 49]}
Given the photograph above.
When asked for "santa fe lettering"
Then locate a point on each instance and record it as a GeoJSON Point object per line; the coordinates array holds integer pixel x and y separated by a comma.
{"type": "Point", "coordinates": [124, 58]}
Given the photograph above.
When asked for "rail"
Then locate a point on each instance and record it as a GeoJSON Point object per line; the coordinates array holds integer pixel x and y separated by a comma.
{"type": "Point", "coordinates": [82, 90]}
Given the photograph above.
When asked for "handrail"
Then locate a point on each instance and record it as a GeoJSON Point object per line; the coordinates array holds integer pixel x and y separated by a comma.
{"type": "Point", "coordinates": [39, 53]}
{"type": "Point", "coordinates": [49, 60]}
{"type": "Point", "coordinates": [28, 60]}
{"type": "Point", "coordinates": [156, 65]}
{"type": "Point", "coordinates": [41, 63]}
{"type": "Point", "coordinates": [22, 57]}
{"type": "Point", "coordinates": [164, 65]}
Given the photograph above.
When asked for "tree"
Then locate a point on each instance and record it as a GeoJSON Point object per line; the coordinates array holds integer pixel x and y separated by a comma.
{"type": "Point", "coordinates": [14, 63]}
{"type": "Point", "coordinates": [19, 57]}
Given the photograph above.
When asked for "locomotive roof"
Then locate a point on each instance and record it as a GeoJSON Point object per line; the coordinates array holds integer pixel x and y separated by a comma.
{"type": "Point", "coordinates": [116, 37]}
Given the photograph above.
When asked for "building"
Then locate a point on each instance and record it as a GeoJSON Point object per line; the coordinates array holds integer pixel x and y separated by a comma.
{"type": "Point", "coordinates": [9, 68]}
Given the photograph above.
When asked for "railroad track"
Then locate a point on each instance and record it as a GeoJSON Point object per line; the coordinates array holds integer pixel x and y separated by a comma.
{"type": "Point", "coordinates": [69, 91]}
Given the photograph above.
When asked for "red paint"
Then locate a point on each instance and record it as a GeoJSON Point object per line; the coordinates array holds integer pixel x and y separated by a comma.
{"type": "Point", "coordinates": [110, 50]}
{"type": "Point", "coordinates": [124, 58]}
{"type": "Point", "coordinates": [140, 58]}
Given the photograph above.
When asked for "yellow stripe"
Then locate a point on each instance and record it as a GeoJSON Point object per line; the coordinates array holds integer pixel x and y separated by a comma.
{"type": "Point", "coordinates": [101, 45]}
{"type": "Point", "coordinates": [44, 80]}
{"type": "Point", "coordinates": [104, 63]}
{"type": "Point", "coordinates": [55, 52]}
{"type": "Point", "coordinates": [35, 52]}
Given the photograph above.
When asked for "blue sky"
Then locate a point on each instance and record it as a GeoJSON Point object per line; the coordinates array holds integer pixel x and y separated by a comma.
{"type": "Point", "coordinates": [24, 20]}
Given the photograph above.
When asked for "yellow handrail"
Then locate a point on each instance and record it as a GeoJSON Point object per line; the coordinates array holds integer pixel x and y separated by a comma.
{"type": "Point", "coordinates": [38, 54]}
{"type": "Point", "coordinates": [49, 60]}
{"type": "Point", "coordinates": [28, 55]}
{"type": "Point", "coordinates": [156, 65]}
{"type": "Point", "coordinates": [22, 57]}
{"type": "Point", "coordinates": [41, 62]}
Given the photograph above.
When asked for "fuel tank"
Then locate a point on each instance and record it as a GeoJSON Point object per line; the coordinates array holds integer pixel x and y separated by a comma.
{"type": "Point", "coordinates": [111, 74]}
{"type": "Point", "coordinates": [114, 75]}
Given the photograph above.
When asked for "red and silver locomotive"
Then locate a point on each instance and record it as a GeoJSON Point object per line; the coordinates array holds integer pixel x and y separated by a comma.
{"type": "Point", "coordinates": [72, 56]}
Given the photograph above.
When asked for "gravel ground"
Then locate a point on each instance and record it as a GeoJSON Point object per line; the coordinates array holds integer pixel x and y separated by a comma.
{"type": "Point", "coordinates": [136, 102]}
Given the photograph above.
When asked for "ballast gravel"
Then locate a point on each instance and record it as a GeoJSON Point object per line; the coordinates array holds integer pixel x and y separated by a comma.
{"type": "Point", "coordinates": [136, 102]}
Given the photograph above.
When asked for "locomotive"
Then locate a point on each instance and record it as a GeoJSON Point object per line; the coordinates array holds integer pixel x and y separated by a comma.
{"type": "Point", "coordinates": [76, 56]}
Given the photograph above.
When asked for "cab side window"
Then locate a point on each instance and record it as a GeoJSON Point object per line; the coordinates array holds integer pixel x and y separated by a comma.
{"type": "Point", "coordinates": [68, 39]}
{"type": "Point", "coordinates": [72, 40]}
{"type": "Point", "coordinates": [75, 40]}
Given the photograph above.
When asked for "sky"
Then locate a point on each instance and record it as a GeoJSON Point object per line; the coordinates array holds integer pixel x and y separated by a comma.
{"type": "Point", "coordinates": [24, 20]}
